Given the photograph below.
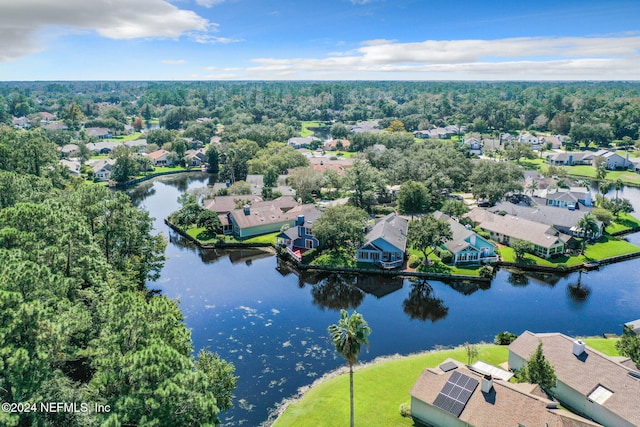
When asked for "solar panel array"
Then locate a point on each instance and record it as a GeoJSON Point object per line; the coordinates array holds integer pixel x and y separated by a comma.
{"type": "Point", "coordinates": [456, 393]}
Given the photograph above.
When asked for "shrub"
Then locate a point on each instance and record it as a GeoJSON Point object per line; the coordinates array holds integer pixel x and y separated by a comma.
{"type": "Point", "coordinates": [502, 213]}
{"type": "Point", "coordinates": [309, 255]}
{"type": "Point", "coordinates": [504, 338]}
{"type": "Point", "coordinates": [405, 410]}
{"type": "Point", "coordinates": [444, 255]}
{"type": "Point", "coordinates": [414, 261]}
{"type": "Point", "coordinates": [382, 210]}
{"type": "Point", "coordinates": [484, 234]}
{"type": "Point", "coordinates": [486, 271]}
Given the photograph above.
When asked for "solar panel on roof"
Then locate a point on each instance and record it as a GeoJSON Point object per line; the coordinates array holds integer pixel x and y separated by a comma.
{"type": "Point", "coordinates": [448, 366]}
{"type": "Point", "coordinates": [455, 393]}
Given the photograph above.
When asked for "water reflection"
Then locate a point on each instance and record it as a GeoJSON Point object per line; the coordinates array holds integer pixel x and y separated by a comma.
{"type": "Point", "coordinates": [518, 278]}
{"type": "Point", "coordinates": [422, 304]}
{"type": "Point", "coordinates": [336, 292]}
{"type": "Point", "coordinates": [578, 292]}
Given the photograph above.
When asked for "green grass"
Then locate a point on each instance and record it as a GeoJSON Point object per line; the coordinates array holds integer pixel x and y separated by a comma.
{"type": "Point", "coordinates": [125, 138]}
{"type": "Point", "coordinates": [603, 345]}
{"type": "Point", "coordinates": [343, 154]}
{"type": "Point", "coordinates": [335, 258]}
{"type": "Point", "coordinates": [264, 238]}
{"type": "Point", "coordinates": [532, 164]}
{"type": "Point", "coordinates": [437, 266]}
{"type": "Point", "coordinates": [160, 169]}
{"type": "Point", "coordinates": [306, 125]}
{"type": "Point", "coordinates": [200, 234]}
{"type": "Point", "coordinates": [379, 390]}
{"type": "Point", "coordinates": [624, 222]}
{"type": "Point", "coordinates": [605, 247]}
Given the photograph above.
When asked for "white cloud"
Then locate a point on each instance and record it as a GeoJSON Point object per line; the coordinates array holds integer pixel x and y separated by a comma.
{"type": "Point", "coordinates": [567, 58]}
{"type": "Point", "coordinates": [208, 38]}
{"type": "Point", "coordinates": [23, 22]}
{"type": "Point", "coordinates": [209, 3]}
{"type": "Point", "coordinates": [173, 61]}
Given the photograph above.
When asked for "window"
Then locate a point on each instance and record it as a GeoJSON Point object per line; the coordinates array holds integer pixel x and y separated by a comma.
{"type": "Point", "coordinates": [308, 244]}
{"type": "Point", "coordinates": [308, 231]}
{"type": "Point", "coordinates": [600, 394]}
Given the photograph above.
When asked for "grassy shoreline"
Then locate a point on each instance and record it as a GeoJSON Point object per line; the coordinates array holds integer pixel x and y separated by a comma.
{"type": "Point", "coordinates": [381, 386]}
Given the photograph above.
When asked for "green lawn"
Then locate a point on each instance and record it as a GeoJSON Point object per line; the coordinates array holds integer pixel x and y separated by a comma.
{"type": "Point", "coordinates": [125, 138]}
{"type": "Point", "coordinates": [379, 391]}
{"type": "Point", "coordinates": [265, 238]}
{"type": "Point", "coordinates": [606, 247]}
{"type": "Point", "coordinates": [200, 234]}
{"type": "Point", "coordinates": [437, 266]}
{"type": "Point", "coordinates": [306, 125]}
{"type": "Point", "coordinates": [381, 388]}
{"type": "Point", "coordinates": [624, 222]}
{"type": "Point", "coordinates": [160, 169]}
{"type": "Point", "coordinates": [343, 154]}
{"type": "Point", "coordinates": [337, 258]}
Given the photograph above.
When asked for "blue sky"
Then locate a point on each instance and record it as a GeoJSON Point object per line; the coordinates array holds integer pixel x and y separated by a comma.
{"type": "Point", "coordinates": [319, 40]}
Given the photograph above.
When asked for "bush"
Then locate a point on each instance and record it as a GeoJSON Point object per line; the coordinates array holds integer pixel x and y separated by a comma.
{"type": "Point", "coordinates": [486, 271]}
{"type": "Point", "coordinates": [484, 234]}
{"type": "Point", "coordinates": [309, 255]}
{"type": "Point", "coordinates": [405, 410]}
{"type": "Point", "coordinates": [504, 338]}
{"type": "Point", "coordinates": [444, 255]}
{"type": "Point", "coordinates": [414, 261]}
{"type": "Point", "coordinates": [382, 210]}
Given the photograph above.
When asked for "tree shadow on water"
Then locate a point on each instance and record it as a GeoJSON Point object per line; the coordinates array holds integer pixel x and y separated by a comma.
{"type": "Point", "coordinates": [337, 292]}
{"type": "Point", "coordinates": [421, 304]}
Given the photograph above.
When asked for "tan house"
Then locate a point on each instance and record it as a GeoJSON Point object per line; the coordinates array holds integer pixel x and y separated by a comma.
{"type": "Point", "coordinates": [102, 168]}
{"type": "Point", "coordinates": [453, 395]}
{"type": "Point", "coordinates": [160, 157]}
{"type": "Point", "coordinates": [266, 217]}
{"type": "Point", "coordinates": [602, 388]}
{"type": "Point", "coordinates": [546, 240]}
{"type": "Point", "coordinates": [337, 144]}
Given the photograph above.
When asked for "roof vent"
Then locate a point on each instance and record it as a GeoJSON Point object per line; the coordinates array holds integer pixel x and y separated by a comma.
{"type": "Point", "coordinates": [578, 347]}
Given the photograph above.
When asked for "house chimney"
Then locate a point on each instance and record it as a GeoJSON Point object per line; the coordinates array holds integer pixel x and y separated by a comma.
{"type": "Point", "coordinates": [578, 347]}
{"type": "Point", "coordinates": [247, 209]}
{"type": "Point", "coordinates": [472, 239]}
{"type": "Point", "coordinates": [300, 220]}
{"type": "Point", "coordinates": [487, 383]}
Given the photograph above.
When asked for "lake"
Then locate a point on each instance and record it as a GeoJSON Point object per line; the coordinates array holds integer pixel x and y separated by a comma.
{"type": "Point", "coordinates": [272, 323]}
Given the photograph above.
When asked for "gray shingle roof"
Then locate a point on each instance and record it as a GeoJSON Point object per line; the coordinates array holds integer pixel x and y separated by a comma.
{"type": "Point", "coordinates": [549, 215]}
{"type": "Point", "coordinates": [584, 374]}
{"type": "Point", "coordinates": [393, 229]}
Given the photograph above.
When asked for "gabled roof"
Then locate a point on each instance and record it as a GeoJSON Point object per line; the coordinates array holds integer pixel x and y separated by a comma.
{"type": "Point", "coordinates": [392, 229]}
{"type": "Point", "coordinates": [511, 404]}
{"type": "Point", "coordinates": [461, 234]}
{"type": "Point", "coordinates": [539, 234]}
{"type": "Point", "coordinates": [158, 154]}
{"type": "Point", "coordinates": [100, 164]}
{"type": "Point", "coordinates": [586, 373]}
{"type": "Point", "coordinates": [225, 204]}
{"type": "Point", "coordinates": [267, 213]}
{"type": "Point", "coordinates": [97, 131]}
{"type": "Point", "coordinates": [549, 215]}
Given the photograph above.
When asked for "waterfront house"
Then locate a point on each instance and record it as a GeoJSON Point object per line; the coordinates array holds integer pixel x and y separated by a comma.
{"type": "Point", "coordinates": [72, 165]}
{"type": "Point", "coordinates": [590, 383]}
{"type": "Point", "coordinates": [466, 246]}
{"type": "Point", "coordinates": [195, 158]}
{"type": "Point", "coordinates": [565, 198]}
{"type": "Point", "coordinates": [299, 238]}
{"type": "Point", "coordinates": [563, 220]}
{"type": "Point", "coordinates": [102, 168]}
{"type": "Point", "coordinates": [455, 395]}
{"type": "Point", "coordinates": [265, 217]}
{"type": "Point", "coordinates": [546, 240]}
{"type": "Point", "coordinates": [160, 158]}
{"type": "Point", "coordinates": [386, 243]}
{"type": "Point", "coordinates": [301, 142]}
{"type": "Point", "coordinates": [570, 158]}
{"type": "Point", "coordinates": [222, 205]}
{"type": "Point", "coordinates": [634, 325]}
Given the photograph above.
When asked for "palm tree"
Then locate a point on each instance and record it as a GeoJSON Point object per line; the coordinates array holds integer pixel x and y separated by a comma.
{"type": "Point", "coordinates": [347, 336]}
{"type": "Point", "coordinates": [618, 185]}
{"type": "Point", "coordinates": [588, 224]}
{"type": "Point", "coordinates": [532, 187]}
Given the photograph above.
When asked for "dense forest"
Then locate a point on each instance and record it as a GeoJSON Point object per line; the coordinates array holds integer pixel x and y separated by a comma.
{"type": "Point", "coordinates": [77, 322]}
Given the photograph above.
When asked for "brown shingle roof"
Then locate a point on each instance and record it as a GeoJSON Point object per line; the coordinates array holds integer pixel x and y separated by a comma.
{"type": "Point", "coordinates": [506, 405]}
{"type": "Point", "coordinates": [584, 374]}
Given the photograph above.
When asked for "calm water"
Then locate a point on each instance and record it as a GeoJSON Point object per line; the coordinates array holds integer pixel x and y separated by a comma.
{"type": "Point", "coordinates": [272, 324]}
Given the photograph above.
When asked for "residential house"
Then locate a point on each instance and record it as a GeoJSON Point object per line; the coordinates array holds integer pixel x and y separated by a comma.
{"type": "Point", "coordinates": [528, 138]}
{"type": "Point", "coordinates": [337, 144]}
{"type": "Point", "coordinates": [265, 217]}
{"type": "Point", "coordinates": [612, 160]}
{"type": "Point", "coordinates": [367, 126]}
{"type": "Point", "coordinates": [299, 238]}
{"type": "Point", "coordinates": [55, 126]}
{"type": "Point", "coordinates": [564, 198]}
{"type": "Point", "coordinates": [46, 117]}
{"type": "Point", "coordinates": [73, 166]}
{"type": "Point", "coordinates": [21, 122]}
{"type": "Point", "coordinates": [160, 158]}
{"type": "Point", "coordinates": [455, 395]}
{"type": "Point", "coordinates": [102, 168]}
{"type": "Point", "coordinates": [466, 246]}
{"type": "Point", "coordinates": [546, 240]}
{"type": "Point", "coordinates": [557, 141]}
{"type": "Point", "coordinates": [386, 243]}
{"type": "Point", "coordinates": [69, 150]}
{"type": "Point", "coordinates": [570, 158]}
{"type": "Point", "coordinates": [195, 158]}
{"type": "Point", "coordinates": [300, 142]}
{"type": "Point", "coordinates": [634, 325]}
{"type": "Point", "coordinates": [563, 220]}
{"type": "Point", "coordinates": [222, 205]}
{"type": "Point", "coordinates": [138, 144]}
{"type": "Point", "coordinates": [422, 134]}
{"type": "Point", "coordinates": [588, 382]}
{"type": "Point", "coordinates": [99, 133]}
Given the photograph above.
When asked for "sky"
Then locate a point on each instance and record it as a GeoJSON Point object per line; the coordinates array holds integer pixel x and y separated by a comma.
{"type": "Point", "coordinates": [319, 40]}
